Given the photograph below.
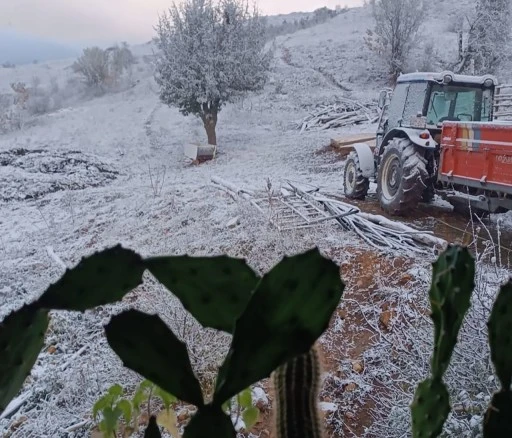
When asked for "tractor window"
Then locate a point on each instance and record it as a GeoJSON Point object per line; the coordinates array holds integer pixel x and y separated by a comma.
{"type": "Point", "coordinates": [396, 106]}
{"type": "Point", "coordinates": [414, 102]}
{"type": "Point", "coordinates": [457, 104]}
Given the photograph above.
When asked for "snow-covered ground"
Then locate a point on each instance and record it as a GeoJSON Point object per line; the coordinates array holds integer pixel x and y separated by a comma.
{"type": "Point", "coordinates": [111, 170]}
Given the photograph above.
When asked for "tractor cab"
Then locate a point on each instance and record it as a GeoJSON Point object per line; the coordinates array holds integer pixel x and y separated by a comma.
{"type": "Point", "coordinates": [423, 101]}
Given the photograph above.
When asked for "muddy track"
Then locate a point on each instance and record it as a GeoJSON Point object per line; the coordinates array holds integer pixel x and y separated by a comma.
{"type": "Point", "coordinates": [444, 223]}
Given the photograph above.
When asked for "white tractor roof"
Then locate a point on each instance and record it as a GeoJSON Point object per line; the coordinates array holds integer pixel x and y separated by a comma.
{"type": "Point", "coordinates": [438, 77]}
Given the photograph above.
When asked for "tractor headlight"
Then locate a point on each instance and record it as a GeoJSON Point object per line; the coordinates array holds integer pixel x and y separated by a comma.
{"type": "Point", "coordinates": [488, 82]}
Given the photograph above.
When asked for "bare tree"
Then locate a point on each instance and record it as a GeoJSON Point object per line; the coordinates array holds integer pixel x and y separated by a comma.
{"type": "Point", "coordinates": [483, 38]}
{"type": "Point", "coordinates": [396, 26]}
{"type": "Point", "coordinates": [210, 53]}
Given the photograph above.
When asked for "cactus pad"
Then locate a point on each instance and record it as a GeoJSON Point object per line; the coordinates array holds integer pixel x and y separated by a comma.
{"type": "Point", "coordinates": [430, 408]}
{"type": "Point", "coordinates": [21, 340]}
{"type": "Point", "coordinates": [210, 421]}
{"type": "Point", "coordinates": [450, 297]}
{"type": "Point", "coordinates": [296, 386]}
{"type": "Point", "coordinates": [500, 335]}
{"type": "Point", "coordinates": [103, 278]}
{"type": "Point", "coordinates": [287, 313]}
{"type": "Point", "coordinates": [498, 419]}
{"type": "Point", "coordinates": [215, 290]}
{"type": "Point", "coordinates": [146, 345]}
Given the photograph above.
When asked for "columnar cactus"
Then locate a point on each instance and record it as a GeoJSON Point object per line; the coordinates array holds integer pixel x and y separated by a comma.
{"type": "Point", "coordinates": [296, 386]}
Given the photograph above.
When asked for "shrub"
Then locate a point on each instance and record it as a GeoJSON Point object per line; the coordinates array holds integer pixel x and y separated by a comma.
{"type": "Point", "coordinates": [102, 69]}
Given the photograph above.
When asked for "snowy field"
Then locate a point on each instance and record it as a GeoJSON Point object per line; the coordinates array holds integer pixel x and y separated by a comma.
{"type": "Point", "coordinates": [111, 170]}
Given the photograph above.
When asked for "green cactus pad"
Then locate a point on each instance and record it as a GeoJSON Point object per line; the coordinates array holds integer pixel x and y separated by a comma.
{"type": "Point", "coordinates": [152, 431]}
{"type": "Point", "coordinates": [103, 278]}
{"type": "Point", "coordinates": [146, 345]}
{"type": "Point", "coordinates": [296, 386]}
{"type": "Point", "coordinates": [287, 313]}
{"type": "Point", "coordinates": [21, 340]}
{"type": "Point", "coordinates": [430, 409]}
{"type": "Point", "coordinates": [210, 421]}
{"type": "Point", "coordinates": [215, 290]}
{"type": "Point", "coordinates": [498, 419]}
{"type": "Point", "coordinates": [450, 297]}
{"type": "Point", "coordinates": [500, 335]}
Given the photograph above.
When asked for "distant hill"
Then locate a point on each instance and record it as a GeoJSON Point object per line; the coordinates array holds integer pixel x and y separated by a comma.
{"type": "Point", "coordinates": [20, 48]}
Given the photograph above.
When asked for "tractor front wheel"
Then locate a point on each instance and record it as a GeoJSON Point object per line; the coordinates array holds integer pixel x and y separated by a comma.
{"type": "Point", "coordinates": [402, 177]}
{"type": "Point", "coordinates": [356, 185]}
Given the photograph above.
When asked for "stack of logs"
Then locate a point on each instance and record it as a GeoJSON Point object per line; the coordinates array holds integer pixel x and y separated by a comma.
{"type": "Point", "coordinates": [343, 113]}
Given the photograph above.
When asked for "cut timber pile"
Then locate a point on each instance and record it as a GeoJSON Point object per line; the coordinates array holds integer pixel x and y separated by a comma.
{"type": "Point", "coordinates": [343, 113]}
{"type": "Point", "coordinates": [297, 206]}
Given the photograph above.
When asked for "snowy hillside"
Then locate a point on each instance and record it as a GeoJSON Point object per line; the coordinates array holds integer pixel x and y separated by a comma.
{"type": "Point", "coordinates": [337, 48]}
{"type": "Point", "coordinates": [111, 169]}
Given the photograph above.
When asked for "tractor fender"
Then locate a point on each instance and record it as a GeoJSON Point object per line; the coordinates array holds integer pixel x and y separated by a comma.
{"type": "Point", "coordinates": [366, 162]}
{"type": "Point", "coordinates": [413, 135]}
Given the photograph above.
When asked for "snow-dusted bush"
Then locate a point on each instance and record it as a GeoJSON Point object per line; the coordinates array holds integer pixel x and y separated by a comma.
{"type": "Point", "coordinates": [39, 99]}
{"type": "Point", "coordinates": [396, 26]}
{"type": "Point", "coordinates": [10, 117]}
{"type": "Point", "coordinates": [210, 53]}
{"type": "Point", "coordinates": [102, 69]}
{"type": "Point", "coordinates": [93, 66]}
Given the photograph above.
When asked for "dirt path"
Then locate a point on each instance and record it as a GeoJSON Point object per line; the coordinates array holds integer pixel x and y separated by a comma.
{"type": "Point", "coordinates": [329, 78]}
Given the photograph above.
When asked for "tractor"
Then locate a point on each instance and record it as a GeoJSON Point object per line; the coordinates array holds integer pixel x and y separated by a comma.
{"type": "Point", "coordinates": [406, 158]}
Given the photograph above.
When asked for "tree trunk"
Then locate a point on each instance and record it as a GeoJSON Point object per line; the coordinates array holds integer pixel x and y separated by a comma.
{"type": "Point", "coordinates": [209, 126]}
{"type": "Point", "coordinates": [209, 118]}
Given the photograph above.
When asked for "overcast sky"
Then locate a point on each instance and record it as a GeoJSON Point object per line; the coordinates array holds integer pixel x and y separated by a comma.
{"type": "Point", "coordinates": [76, 21]}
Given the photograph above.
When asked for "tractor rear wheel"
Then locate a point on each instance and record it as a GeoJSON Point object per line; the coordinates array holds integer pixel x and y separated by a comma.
{"type": "Point", "coordinates": [356, 185]}
{"type": "Point", "coordinates": [402, 177]}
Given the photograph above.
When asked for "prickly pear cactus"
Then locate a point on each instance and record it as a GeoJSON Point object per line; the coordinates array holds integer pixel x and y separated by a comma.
{"type": "Point", "coordinates": [273, 320]}
{"type": "Point", "coordinates": [450, 296]}
{"type": "Point", "coordinates": [21, 340]}
{"type": "Point", "coordinates": [498, 420]}
{"type": "Point", "coordinates": [296, 386]}
{"type": "Point", "coordinates": [103, 278]}
{"type": "Point", "coordinates": [287, 313]}
{"type": "Point", "coordinates": [215, 290]}
{"type": "Point", "coordinates": [430, 409]}
{"type": "Point", "coordinates": [500, 335]}
{"type": "Point", "coordinates": [289, 309]}
{"type": "Point", "coordinates": [146, 345]}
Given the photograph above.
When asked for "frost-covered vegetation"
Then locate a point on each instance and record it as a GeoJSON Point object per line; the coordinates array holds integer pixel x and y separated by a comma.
{"type": "Point", "coordinates": [103, 69]}
{"type": "Point", "coordinates": [209, 55]}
